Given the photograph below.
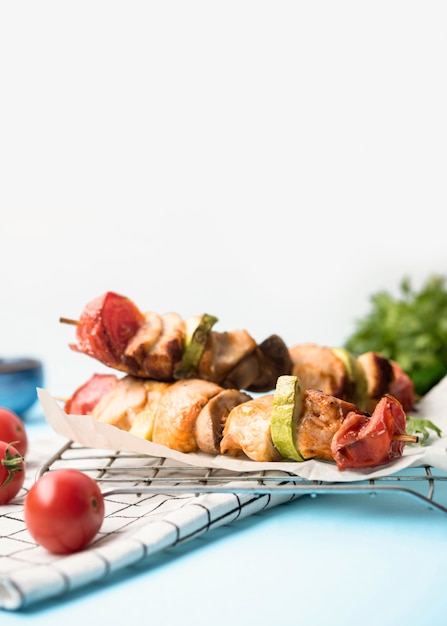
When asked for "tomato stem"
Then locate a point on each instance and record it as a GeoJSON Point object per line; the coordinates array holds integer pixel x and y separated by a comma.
{"type": "Point", "coordinates": [12, 463]}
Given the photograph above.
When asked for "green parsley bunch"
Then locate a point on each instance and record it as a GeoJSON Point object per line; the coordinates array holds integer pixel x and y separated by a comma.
{"type": "Point", "coordinates": [410, 329]}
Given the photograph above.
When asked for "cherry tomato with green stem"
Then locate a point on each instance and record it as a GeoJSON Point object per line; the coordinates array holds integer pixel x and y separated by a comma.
{"type": "Point", "coordinates": [12, 472]}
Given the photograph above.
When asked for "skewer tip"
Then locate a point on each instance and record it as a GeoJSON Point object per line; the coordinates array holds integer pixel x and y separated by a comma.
{"type": "Point", "coordinates": [66, 320]}
{"type": "Point", "coordinates": [406, 438]}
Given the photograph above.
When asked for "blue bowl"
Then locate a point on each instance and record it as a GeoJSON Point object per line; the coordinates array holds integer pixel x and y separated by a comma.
{"type": "Point", "coordinates": [19, 379]}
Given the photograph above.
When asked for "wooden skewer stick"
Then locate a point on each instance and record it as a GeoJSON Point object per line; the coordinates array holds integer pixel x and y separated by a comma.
{"type": "Point", "coordinates": [406, 438]}
{"type": "Point", "coordinates": [66, 320]}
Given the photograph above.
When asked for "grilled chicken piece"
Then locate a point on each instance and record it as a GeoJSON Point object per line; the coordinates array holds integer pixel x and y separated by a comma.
{"type": "Point", "coordinates": [165, 354]}
{"type": "Point", "coordinates": [379, 375]}
{"type": "Point", "coordinates": [120, 405]}
{"type": "Point", "coordinates": [143, 421]}
{"type": "Point", "coordinates": [318, 367]}
{"type": "Point", "coordinates": [247, 430]}
{"type": "Point", "coordinates": [156, 348]}
{"type": "Point", "coordinates": [141, 342]}
{"type": "Point", "coordinates": [320, 419]}
{"type": "Point", "coordinates": [210, 423]}
{"type": "Point", "coordinates": [181, 405]}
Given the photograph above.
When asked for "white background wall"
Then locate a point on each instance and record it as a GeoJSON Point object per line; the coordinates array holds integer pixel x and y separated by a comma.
{"type": "Point", "coordinates": [273, 163]}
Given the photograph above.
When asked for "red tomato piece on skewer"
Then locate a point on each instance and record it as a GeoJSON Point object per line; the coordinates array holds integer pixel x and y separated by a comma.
{"type": "Point", "coordinates": [364, 441]}
{"type": "Point", "coordinates": [106, 325]}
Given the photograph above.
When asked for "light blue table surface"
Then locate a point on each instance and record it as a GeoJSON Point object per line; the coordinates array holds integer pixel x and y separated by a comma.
{"type": "Point", "coordinates": [337, 559]}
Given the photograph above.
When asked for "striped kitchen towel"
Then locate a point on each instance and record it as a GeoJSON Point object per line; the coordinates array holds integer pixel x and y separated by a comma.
{"type": "Point", "coordinates": [136, 525]}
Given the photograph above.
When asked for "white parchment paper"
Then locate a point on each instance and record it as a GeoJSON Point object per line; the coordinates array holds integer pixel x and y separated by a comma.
{"type": "Point", "coordinates": [88, 432]}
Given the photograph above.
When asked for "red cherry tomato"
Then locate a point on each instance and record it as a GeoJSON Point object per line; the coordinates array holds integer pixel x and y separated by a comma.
{"type": "Point", "coordinates": [12, 430]}
{"type": "Point", "coordinates": [64, 510]}
{"type": "Point", "coordinates": [12, 472]}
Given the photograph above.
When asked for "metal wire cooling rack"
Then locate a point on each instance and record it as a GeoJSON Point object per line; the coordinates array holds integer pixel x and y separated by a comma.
{"type": "Point", "coordinates": [120, 472]}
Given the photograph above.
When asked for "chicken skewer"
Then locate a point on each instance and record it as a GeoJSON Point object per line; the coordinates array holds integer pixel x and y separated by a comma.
{"type": "Point", "coordinates": [327, 428]}
{"type": "Point", "coordinates": [166, 347]}
{"type": "Point", "coordinates": [363, 380]}
{"type": "Point", "coordinates": [190, 415]}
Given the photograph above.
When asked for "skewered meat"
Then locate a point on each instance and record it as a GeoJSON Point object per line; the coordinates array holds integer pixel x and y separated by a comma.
{"type": "Point", "coordinates": [143, 421]}
{"type": "Point", "coordinates": [114, 331]}
{"type": "Point", "coordinates": [120, 405]}
{"type": "Point", "coordinates": [184, 415]}
{"type": "Point", "coordinates": [323, 368]}
{"type": "Point", "coordinates": [190, 415]}
{"type": "Point", "coordinates": [144, 338]}
{"type": "Point", "coordinates": [182, 403]}
{"type": "Point", "coordinates": [318, 367]}
{"type": "Point", "coordinates": [247, 430]}
{"type": "Point", "coordinates": [328, 428]}
{"type": "Point", "coordinates": [158, 359]}
{"type": "Point", "coordinates": [321, 418]}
